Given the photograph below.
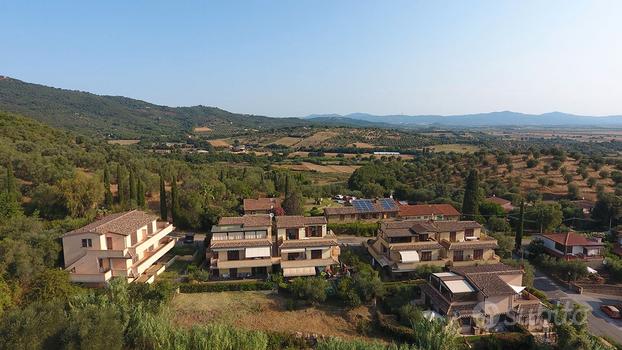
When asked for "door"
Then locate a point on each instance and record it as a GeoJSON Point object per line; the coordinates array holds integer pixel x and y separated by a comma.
{"type": "Point", "coordinates": [233, 273]}
{"type": "Point", "coordinates": [458, 255]}
{"type": "Point", "coordinates": [478, 254]}
{"type": "Point", "coordinates": [452, 236]}
{"type": "Point", "coordinates": [316, 254]}
{"type": "Point", "coordinates": [233, 255]}
{"type": "Point", "coordinates": [109, 243]}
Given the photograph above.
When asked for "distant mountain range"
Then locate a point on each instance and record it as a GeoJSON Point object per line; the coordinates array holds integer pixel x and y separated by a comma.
{"type": "Point", "coordinates": [505, 118]}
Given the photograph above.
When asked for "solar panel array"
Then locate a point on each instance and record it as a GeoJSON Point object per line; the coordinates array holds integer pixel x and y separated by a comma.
{"type": "Point", "coordinates": [363, 205]}
{"type": "Point", "coordinates": [387, 203]}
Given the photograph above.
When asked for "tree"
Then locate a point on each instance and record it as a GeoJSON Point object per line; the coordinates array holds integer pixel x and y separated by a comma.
{"type": "Point", "coordinates": [121, 198]}
{"type": "Point", "coordinates": [163, 207]}
{"type": "Point", "coordinates": [545, 216]}
{"type": "Point", "coordinates": [107, 192]}
{"type": "Point", "coordinates": [11, 186]}
{"type": "Point", "coordinates": [312, 289]}
{"type": "Point", "coordinates": [518, 239]}
{"type": "Point", "coordinates": [174, 199]}
{"type": "Point", "coordinates": [293, 204]}
{"type": "Point", "coordinates": [373, 190]}
{"type": "Point", "coordinates": [607, 210]}
{"type": "Point", "coordinates": [140, 193]}
{"type": "Point", "coordinates": [51, 285]}
{"type": "Point", "coordinates": [132, 187]}
{"type": "Point", "coordinates": [82, 193]}
{"type": "Point", "coordinates": [573, 191]}
{"type": "Point", "coordinates": [470, 201]}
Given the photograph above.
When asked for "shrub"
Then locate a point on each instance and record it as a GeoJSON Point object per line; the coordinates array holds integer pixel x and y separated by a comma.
{"type": "Point", "coordinates": [224, 287]}
{"type": "Point", "coordinates": [311, 289]}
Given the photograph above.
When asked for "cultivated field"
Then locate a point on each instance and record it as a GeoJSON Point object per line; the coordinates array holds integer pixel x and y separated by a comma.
{"type": "Point", "coordinates": [219, 143]}
{"type": "Point", "coordinates": [202, 129]}
{"type": "Point", "coordinates": [123, 142]}
{"type": "Point", "coordinates": [287, 141]}
{"type": "Point", "coordinates": [267, 312]}
{"type": "Point", "coordinates": [305, 166]}
{"type": "Point", "coordinates": [317, 138]}
{"type": "Point", "coordinates": [458, 148]}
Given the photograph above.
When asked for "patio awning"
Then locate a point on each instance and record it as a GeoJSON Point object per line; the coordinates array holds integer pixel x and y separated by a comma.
{"type": "Point", "coordinates": [517, 289]}
{"type": "Point", "coordinates": [591, 270]}
{"type": "Point", "coordinates": [293, 250]}
{"type": "Point", "coordinates": [409, 256]}
{"type": "Point", "coordinates": [258, 252]}
{"type": "Point", "coordinates": [298, 271]}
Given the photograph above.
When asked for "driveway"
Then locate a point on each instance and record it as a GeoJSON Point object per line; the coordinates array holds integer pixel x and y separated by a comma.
{"type": "Point", "coordinates": [598, 323]}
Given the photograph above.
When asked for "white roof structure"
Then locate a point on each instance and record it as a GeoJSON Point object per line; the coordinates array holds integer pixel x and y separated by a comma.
{"type": "Point", "coordinates": [459, 286]}
{"type": "Point", "coordinates": [445, 274]}
{"type": "Point", "coordinates": [409, 256]}
{"type": "Point", "coordinates": [517, 289]}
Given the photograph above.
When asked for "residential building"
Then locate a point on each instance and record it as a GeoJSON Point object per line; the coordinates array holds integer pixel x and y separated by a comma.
{"type": "Point", "coordinates": [261, 205]}
{"type": "Point", "coordinates": [428, 212]}
{"type": "Point", "coordinates": [305, 245]}
{"type": "Point", "coordinates": [572, 245]}
{"type": "Point", "coordinates": [124, 244]}
{"type": "Point", "coordinates": [482, 296]}
{"type": "Point", "coordinates": [504, 203]}
{"type": "Point", "coordinates": [242, 247]}
{"type": "Point", "coordinates": [585, 205]}
{"type": "Point", "coordinates": [403, 245]}
{"type": "Point", "coordinates": [363, 210]}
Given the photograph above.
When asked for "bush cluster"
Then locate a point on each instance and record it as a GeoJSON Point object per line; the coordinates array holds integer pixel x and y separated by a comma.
{"type": "Point", "coordinates": [224, 287]}
{"type": "Point", "coordinates": [364, 229]}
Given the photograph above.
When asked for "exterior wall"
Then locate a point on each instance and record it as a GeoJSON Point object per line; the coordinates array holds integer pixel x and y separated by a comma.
{"type": "Point", "coordinates": [550, 244]}
{"type": "Point", "coordinates": [497, 305]}
{"type": "Point", "coordinates": [513, 279]}
{"type": "Point", "coordinates": [468, 254]}
{"type": "Point", "coordinates": [72, 246]}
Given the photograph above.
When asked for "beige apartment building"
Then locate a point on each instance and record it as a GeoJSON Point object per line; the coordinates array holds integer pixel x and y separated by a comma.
{"type": "Point", "coordinates": [124, 244]}
{"type": "Point", "coordinates": [242, 247]}
{"type": "Point", "coordinates": [246, 246]}
{"type": "Point", "coordinates": [305, 245]}
{"type": "Point", "coordinates": [482, 296]}
{"type": "Point", "coordinates": [403, 245]}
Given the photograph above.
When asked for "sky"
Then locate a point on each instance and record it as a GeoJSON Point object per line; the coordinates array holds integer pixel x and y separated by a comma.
{"type": "Point", "coordinates": [298, 57]}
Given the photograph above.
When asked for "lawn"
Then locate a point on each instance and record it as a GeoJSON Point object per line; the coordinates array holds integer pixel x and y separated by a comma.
{"type": "Point", "coordinates": [268, 312]}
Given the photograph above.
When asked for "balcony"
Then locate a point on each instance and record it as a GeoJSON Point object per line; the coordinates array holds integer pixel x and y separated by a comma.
{"type": "Point", "coordinates": [285, 264]}
{"type": "Point", "coordinates": [149, 258]}
{"type": "Point", "coordinates": [235, 264]}
{"type": "Point", "coordinates": [102, 277]}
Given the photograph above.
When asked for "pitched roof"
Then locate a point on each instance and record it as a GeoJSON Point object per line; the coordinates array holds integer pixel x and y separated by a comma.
{"type": "Point", "coordinates": [260, 220]}
{"type": "Point", "coordinates": [572, 239]}
{"type": "Point", "coordinates": [481, 243]}
{"type": "Point", "coordinates": [365, 206]}
{"type": "Point", "coordinates": [428, 209]}
{"type": "Point", "coordinates": [240, 243]}
{"type": "Point", "coordinates": [443, 226]}
{"type": "Point", "coordinates": [327, 241]}
{"type": "Point", "coordinates": [339, 211]}
{"type": "Point", "coordinates": [124, 223]}
{"type": "Point", "coordinates": [499, 200]}
{"type": "Point", "coordinates": [261, 204]}
{"type": "Point", "coordinates": [288, 221]}
{"type": "Point", "coordinates": [486, 278]}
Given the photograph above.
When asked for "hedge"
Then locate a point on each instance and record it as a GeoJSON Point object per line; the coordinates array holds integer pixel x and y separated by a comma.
{"type": "Point", "coordinates": [224, 287]}
{"type": "Point", "coordinates": [364, 229]}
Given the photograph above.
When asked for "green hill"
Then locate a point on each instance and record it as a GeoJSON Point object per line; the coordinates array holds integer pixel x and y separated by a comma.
{"type": "Point", "coordinates": [116, 117]}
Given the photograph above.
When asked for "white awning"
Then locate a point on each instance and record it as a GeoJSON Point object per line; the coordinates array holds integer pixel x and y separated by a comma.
{"type": "Point", "coordinates": [409, 256]}
{"type": "Point", "coordinates": [298, 271]}
{"type": "Point", "coordinates": [591, 270]}
{"type": "Point", "coordinates": [258, 252]}
{"type": "Point", "coordinates": [459, 286]}
{"type": "Point", "coordinates": [517, 289]}
{"type": "Point", "coordinates": [293, 250]}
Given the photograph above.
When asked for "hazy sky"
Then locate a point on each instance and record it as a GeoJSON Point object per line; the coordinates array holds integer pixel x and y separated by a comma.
{"type": "Point", "coordinates": [293, 58]}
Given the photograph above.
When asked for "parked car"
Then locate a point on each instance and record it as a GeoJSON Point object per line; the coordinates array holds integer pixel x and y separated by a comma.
{"type": "Point", "coordinates": [611, 311]}
{"type": "Point", "coordinates": [189, 238]}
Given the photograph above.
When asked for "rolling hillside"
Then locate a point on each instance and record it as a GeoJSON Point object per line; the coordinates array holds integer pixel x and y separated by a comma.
{"type": "Point", "coordinates": [116, 117]}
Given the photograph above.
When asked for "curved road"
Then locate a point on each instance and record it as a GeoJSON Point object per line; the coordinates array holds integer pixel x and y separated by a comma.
{"type": "Point", "coordinates": [598, 323]}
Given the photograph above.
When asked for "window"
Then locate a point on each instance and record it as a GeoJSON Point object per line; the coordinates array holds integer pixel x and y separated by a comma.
{"type": "Point", "coordinates": [233, 273]}
{"type": "Point", "coordinates": [109, 243]}
{"type": "Point", "coordinates": [469, 232]}
{"type": "Point", "coordinates": [316, 254]}
{"type": "Point", "coordinates": [294, 256]}
{"type": "Point", "coordinates": [87, 243]}
{"type": "Point", "coordinates": [452, 236]}
{"type": "Point", "coordinates": [313, 231]}
{"type": "Point", "coordinates": [292, 233]}
{"type": "Point", "coordinates": [458, 255]}
{"type": "Point", "coordinates": [100, 263]}
{"type": "Point", "coordinates": [233, 255]}
{"type": "Point", "coordinates": [426, 256]}
{"type": "Point", "coordinates": [478, 254]}
{"type": "Point", "coordinates": [342, 217]}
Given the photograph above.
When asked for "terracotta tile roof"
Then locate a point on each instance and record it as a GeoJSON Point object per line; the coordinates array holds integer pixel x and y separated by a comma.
{"type": "Point", "coordinates": [485, 268]}
{"type": "Point", "coordinates": [260, 220]}
{"type": "Point", "coordinates": [483, 242]}
{"type": "Point", "coordinates": [486, 278]}
{"type": "Point", "coordinates": [443, 226]}
{"type": "Point", "coordinates": [339, 211]}
{"type": "Point", "coordinates": [124, 223]}
{"type": "Point", "coordinates": [501, 201]}
{"type": "Point", "coordinates": [328, 241]}
{"type": "Point", "coordinates": [572, 239]}
{"type": "Point", "coordinates": [261, 204]}
{"type": "Point", "coordinates": [584, 204]}
{"type": "Point", "coordinates": [428, 210]}
{"type": "Point", "coordinates": [288, 221]}
{"type": "Point", "coordinates": [424, 245]}
{"type": "Point", "coordinates": [240, 243]}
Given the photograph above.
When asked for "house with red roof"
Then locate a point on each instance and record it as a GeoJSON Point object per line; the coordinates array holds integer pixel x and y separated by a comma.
{"type": "Point", "coordinates": [428, 212]}
{"type": "Point", "coordinates": [504, 203]}
{"type": "Point", "coordinates": [572, 245]}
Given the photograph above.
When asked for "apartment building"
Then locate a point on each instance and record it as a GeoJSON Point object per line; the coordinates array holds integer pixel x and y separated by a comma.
{"type": "Point", "coordinates": [403, 245]}
{"type": "Point", "coordinates": [261, 205]}
{"type": "Point", "coordinates": [482, 296]}
{"type": "Point", "coordinates": [124, 245]}
{"type": "Point", "coordinates": [437, 212]}
{"type": "Point", "coordinates": [363, 210]}
{"type": "Point", "coordinates": [305, 245]}
{"type": "Point", "coordinates": [242, 247]}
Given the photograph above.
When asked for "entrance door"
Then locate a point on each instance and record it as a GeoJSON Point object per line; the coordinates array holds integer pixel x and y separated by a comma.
{"type": "Point", "coordinates": [458, 255]}
{"type": "Point", "coordinates": [109, 243]}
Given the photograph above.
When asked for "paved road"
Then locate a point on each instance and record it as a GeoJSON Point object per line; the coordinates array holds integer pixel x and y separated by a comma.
{"type": "Point", "coordinates": [598, 323]}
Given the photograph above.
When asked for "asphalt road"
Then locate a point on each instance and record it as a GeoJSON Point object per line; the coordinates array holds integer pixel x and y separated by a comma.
{"type": "Point", "coordinates": [598, 323]}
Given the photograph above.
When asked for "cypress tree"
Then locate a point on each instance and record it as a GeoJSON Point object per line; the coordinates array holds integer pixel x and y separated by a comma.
{"type": "Point", "coordinates": [11, 187]}
{"type": "Point", "coordinates": [518, 239]}
{"type": "Point", "coordinates": [120, 190]}
{"type": "Point", "coordinates": [470, 202]}
{"type": "Point", "coordinates": [132, 186]}
{"type": "Point", "coordinates": [140, 193]}
{"type": "Point", "coordinates": [174, 199]}
{"type": "Point", "coordinates": [163, 208]}
{"type": "Point", "coordinates": [107, 192]}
